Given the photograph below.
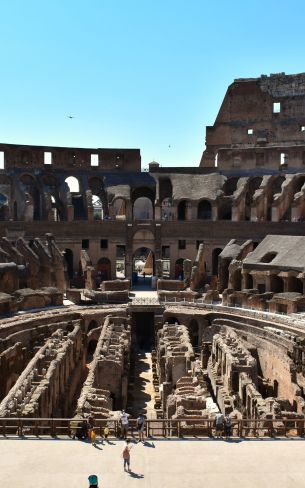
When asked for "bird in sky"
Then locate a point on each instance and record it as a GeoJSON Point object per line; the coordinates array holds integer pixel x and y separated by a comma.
{"type": "Point", "coordinates": [70, 116]}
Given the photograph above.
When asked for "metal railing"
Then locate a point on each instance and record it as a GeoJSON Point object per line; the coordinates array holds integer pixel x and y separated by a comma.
{"type": "Point", "coordinates": [156, 428]}
{"type": "Point", "coordinates": [145, 301]}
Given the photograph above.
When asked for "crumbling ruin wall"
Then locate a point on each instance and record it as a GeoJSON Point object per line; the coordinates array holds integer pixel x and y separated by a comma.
{"type": "Point", "coordinates": [198, 276]}
{"type": "Point", "coordinates": [41, 390]}
{"type": "Point", "coordinates": [106, 386]}
{"type": "Point", "coordinates": [232, 251]}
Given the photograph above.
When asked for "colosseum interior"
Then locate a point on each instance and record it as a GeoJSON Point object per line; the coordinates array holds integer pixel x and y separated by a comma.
{"type": "Point", "coordinates": [178, 292]}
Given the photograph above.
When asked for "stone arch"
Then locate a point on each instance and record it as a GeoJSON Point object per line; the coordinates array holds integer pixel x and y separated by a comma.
{"type": "Point", "coordinates": [143, 261]}
{"type": "Point", "coordinates": [50, 180]}
{"type": "Point", "coordinates": [230, 185]}
{"type": "Point", "coordinates": [119, 207]}
{"type": "Point", "coordinates": [143, 238]}
{"type": "Point", "coordinates": [235, 280]}
{"type": "Point", "coordinates": [225, 210]}
{"type": "Point", "coordinates": [204, 210]}
{"type": "Point", "coordinates": [182, 209]}
{"type": "Point", "coordinates": [143, 209]}
{"type": "Point", "coordinates": [166, 209]}
{"type": "Point", "coordinates": [98, 213]}
{"type": "Point", "coordinates": [253, 185]}
{"type": "Point", "coordinates": [276, 284]}
{"type": "Point", "coordinates": [96, 185]}
{"type": "Point", "coordinates": [73, 184]}
{"type": "Point", "coordinates": [77, 198]}
{"type": "Point", "coordinates": [165, 188]}
{"type": "Point", "coordinates": [248, 281]}
{"type": "Point", "coordinates": [298, 183]}
{"type": "Point", "coordinates": [104, 269]}
{"type": "Point", "coordinates": [32, 188]}
{"type": "Point", "coordinates": [274, 187]}
{"type": "Point", "coordinates": [295, 284]}
{"type": "Point", "coordinates": [172, 320]}
{"type": "Point", "coordinates": [215, 255]}
{"type": "Point", "coordinates": [143, 200]}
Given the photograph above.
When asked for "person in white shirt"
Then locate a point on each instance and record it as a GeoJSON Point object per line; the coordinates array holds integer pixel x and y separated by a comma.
{"type": "Point", "coordinates": [124, 424]}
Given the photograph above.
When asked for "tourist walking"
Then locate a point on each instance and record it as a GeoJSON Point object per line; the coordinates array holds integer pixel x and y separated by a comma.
{"type": "Point", "coordinates": [126, 456]}
{"type": "Point", "coordinates": [124, 424]}
{"type": "Point", "coordinates": [141, 426]}
{"type": "Point", "coordinates": [91, 424]}
{"type": "Point", "coordinates": [219, 424]}
{"type": "Point", "coordinates": [228, 426]}
{"type": "Point", "coordinates": [106, 432]}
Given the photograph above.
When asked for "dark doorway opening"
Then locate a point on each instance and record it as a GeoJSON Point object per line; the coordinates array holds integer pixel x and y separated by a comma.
{"type": "Point", "coordinates": [144, 330]}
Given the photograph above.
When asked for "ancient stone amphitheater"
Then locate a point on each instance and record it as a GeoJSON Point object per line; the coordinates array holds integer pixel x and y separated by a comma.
{"type": "Point", "coordinates": [177, 292]}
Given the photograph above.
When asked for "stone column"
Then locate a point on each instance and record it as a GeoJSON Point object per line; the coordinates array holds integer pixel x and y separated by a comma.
{"type": "Point", "coordinates": [70, 213]}
{"type": "Point", "coordinates": [129, 211]}
{"type": "Point", "coordinates": [214, 212]}
{"type": "Point", "coordinates": [158, 211]}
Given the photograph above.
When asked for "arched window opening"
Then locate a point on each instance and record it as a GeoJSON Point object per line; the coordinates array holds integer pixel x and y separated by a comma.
{"type": "Point", "coordinates": [274, 187]}
{"type": "Point", "coordinates": [236, 280]}
{"type": "Point", "coordinates": [143, 209]}
{"type": "Point", "coordinates": [276, 284]}
{"type": "Point", "coordinates": [120, 261]}
{"type": "Point", "coordinates": [143, 266]}
{"type": "Point", "coordinates": [97, 208]}
{"type": "Point", "coordinates": [31, 188]}
{"type": "Point", "coordinates": [299, 182]}
{"type": "Point", "coordinates": [253, 185]}
{"type": "Point", "coordinates": [225, 211]}
{"type": "Point", "coordinates": [204, 210]}
{"type": "Point", "coordinates": [230, 186]}
{"type": "Point", "coordinates": [119, 206]}
{"type": "Point", "coordinates": [56, 209]}
{"type": "Point", "coordinates": [73, 184]}
{"type": "Point", "coordinates": [143, 199]}
{"type": "Point", "coordinates": [165, 188]}
{"type": "Point", "coordinates": [172, 320]}
{"type": "Point", "coordinates": [215, 255]}
{"type": "Point", "coordinates": [295, 284]}
{"type": "Point", "coordinates": [248, 282]}
{"type": "Point", "coordinates": [104, 269]}
{"type": "Point", "coordinates": [179, 273]}
{"type": "Point", "coordinates": [77, 198]}
{"type": "Point", "coordinates": [182, 210]}
{"type": "Point", "coordinates": [166, 209]}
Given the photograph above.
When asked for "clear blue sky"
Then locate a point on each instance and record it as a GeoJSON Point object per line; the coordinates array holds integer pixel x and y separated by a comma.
{"type": "Point", "coordinates": [136, 73]}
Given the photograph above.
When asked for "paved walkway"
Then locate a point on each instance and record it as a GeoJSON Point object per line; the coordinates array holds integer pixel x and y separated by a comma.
{"type": "Point", "coordinates": [164, 464]}
{"type": "Point", "coordinates": [143, 396]}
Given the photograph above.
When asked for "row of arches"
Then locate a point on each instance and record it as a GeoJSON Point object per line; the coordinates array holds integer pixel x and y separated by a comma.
{"type": "Point", "coordinates": [273, 283]}
{"type": "Point", "coordinates": [235, 192]}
